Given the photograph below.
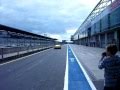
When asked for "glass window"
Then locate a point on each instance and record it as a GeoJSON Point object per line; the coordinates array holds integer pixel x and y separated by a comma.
{"type": "Point", "coordinates": [105, 23]}
{"type": "Point", "coordinates": [93, 29]}
{"type": "Point", "coordinates": [97, 27]}
{"type": "Point", "coordinates": [115, 17]}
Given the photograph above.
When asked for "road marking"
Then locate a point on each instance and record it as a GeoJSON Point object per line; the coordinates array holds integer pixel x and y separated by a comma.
{"type": "Point", "coordinates": [22, 57]}
{"type": "Point", "coordinates": [66, 73]}
{"type": "Point", "coordinates": [84, 72]}
{"type": "Point", "coordinates": [76, 77]}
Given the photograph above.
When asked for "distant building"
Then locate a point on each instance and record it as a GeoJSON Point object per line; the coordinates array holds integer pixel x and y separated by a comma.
{"type": "Point", "coordinates": [72, 38]}
{"type": "Point", "coordinates": [64, 42]}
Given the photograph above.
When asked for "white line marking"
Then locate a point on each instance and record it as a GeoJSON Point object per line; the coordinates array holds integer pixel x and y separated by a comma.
{"type": "Point", "coordinates": [23, 57]}
{"type": "Point", "coordinates": [66, 73]}
{"type": "Point", "coordinates": [85, 73]}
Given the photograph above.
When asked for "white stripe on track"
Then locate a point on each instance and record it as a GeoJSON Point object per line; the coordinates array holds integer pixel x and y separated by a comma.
{"type": "Point", "coordinates": [66, 73]}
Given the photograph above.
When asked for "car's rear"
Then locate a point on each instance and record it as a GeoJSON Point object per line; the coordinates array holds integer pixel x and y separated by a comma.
{"type": "Point", "coordinates": [57, 46]}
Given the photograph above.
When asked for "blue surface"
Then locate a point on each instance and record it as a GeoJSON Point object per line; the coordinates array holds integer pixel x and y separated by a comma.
{"type": "Point", "coordinates": [76, 79]}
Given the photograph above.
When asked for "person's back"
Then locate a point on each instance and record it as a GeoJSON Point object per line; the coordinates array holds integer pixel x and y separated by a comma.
{"type": "Point", "coordinates": [111, 66]}
{"type": "Point", "coordinates": [112, 70]}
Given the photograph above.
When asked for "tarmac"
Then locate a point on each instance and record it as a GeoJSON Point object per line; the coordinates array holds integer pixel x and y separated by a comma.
{"type": "Point", "coordinates": [89, 57]}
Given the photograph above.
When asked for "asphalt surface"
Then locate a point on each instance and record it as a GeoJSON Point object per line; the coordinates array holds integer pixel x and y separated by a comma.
{"type": "Point", "coordinates": [46, 70]}
{"type": "Point", "coordinates": [42, 71]}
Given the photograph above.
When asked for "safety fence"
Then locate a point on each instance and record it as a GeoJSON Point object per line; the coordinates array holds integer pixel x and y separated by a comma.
{"type": "Point", "coordinates": [7, 53]}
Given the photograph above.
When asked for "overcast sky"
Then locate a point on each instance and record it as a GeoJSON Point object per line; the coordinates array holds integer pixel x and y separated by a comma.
{"type": "Point", "coordinates": [56, 18]}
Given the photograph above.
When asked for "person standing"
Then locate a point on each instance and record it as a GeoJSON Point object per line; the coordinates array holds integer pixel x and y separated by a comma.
{"type": "Point", "coordinates": [110, 62]}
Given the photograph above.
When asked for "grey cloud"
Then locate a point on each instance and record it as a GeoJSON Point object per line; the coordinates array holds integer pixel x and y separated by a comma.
{"type": "Point", "coordinates": [42, 15]}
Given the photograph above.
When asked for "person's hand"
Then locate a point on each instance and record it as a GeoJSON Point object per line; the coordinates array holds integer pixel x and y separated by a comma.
{"type": "Point", "coordinates": [104, 54]}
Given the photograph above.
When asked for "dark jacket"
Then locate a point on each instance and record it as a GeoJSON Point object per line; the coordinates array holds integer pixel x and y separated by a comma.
{"type": "Point", "coordinates": [111, 66]}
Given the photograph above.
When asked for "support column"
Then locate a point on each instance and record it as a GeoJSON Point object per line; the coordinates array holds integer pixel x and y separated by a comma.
{"type": "Point", "coordinates": [99, 39]}
{"type": "Point", "coordinates": [106, 39]}
{"type": "Point", "coordinates": [116, 37]}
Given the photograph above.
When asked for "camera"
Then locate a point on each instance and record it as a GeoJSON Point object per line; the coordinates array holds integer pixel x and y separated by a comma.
{"type": "Point", "coordinates": [104, 54]}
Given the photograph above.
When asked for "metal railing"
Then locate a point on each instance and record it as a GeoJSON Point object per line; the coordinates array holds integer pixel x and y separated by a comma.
{"type": "Point", "coordinates": [6, 52]}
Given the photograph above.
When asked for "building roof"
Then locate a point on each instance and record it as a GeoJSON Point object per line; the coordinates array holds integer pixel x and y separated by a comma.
{"type": "Point", "coordinates": [11, 29]}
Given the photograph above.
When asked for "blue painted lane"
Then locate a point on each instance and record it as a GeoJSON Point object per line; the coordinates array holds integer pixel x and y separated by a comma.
{"type": "Point", "coordinates": [76, 79]}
